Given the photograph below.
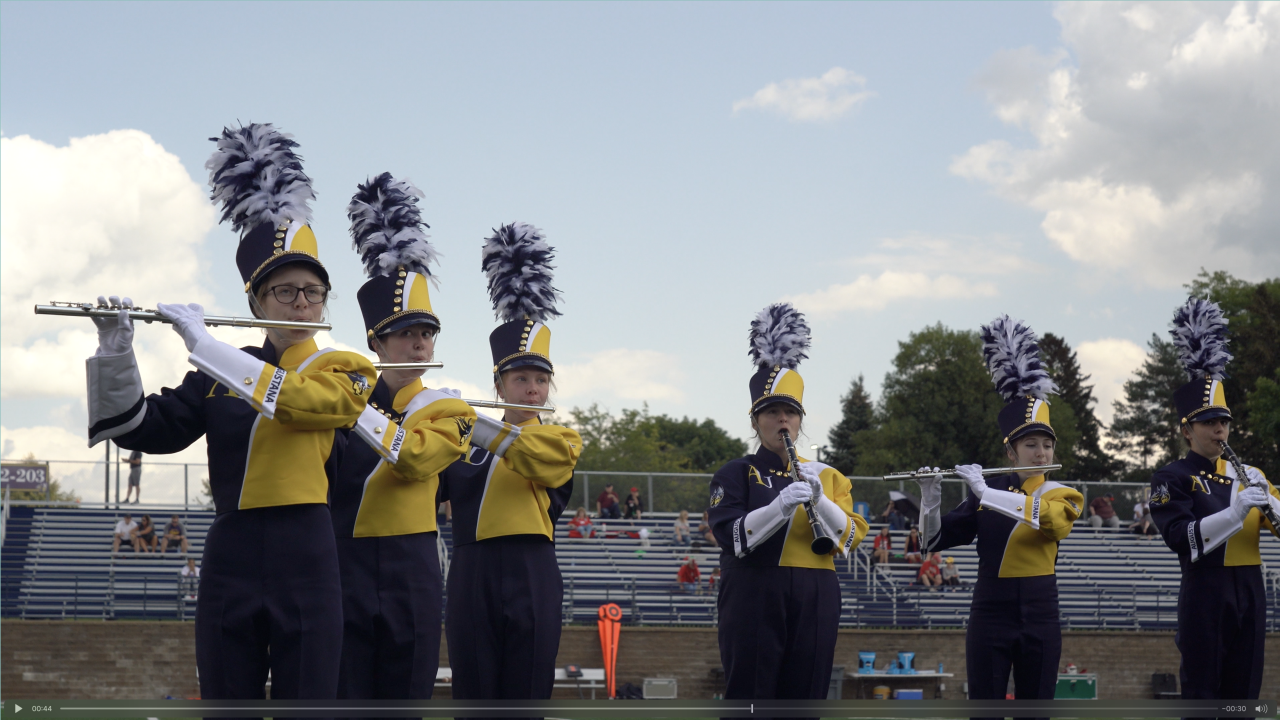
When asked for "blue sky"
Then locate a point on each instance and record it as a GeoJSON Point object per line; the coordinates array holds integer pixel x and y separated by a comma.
{"type": "Point", "coordinates": [997, 157]}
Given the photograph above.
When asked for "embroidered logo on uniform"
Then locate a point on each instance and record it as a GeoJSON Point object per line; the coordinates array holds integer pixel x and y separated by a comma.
{"type": "Point", "coordinates": [398, 441]}
{"type": "Point", "coordinates": [273, 389]}
{"type": "Point", "coordinates": [737, 537]}
{"type": "Point", "coordinates": [1198, 484]}
{"type": "Point", "coordinates": [359, 385]}
{"type": "Point", "coordinates": [465, 425]}
{"type": "Point", "coordinates": [717, 494]}
{"type": "Point", "coordinates": [1035, 510]}
{"type": "Point", "coordinates": [1191, 539]}
{"type": "Point", "coordinates": [752, 472]}
{"type": "Point", "coordinates": [1159, 496]}
{"type": "Point", "coordinates": [1073, 505]}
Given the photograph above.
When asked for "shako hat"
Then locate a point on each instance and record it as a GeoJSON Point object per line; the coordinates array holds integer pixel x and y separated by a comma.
{"type": "Point", "coordinates": [387, 231]}
{"type": "Point", "coordinates": [516, 259]}
{"type": "Point", "coordinates": [1013, 359]}
{"type": "Point", "coordinates": [1200, 336]}
{"type": "Point", "coordinates": [257, 177]}
{"type": "Point", "coordinates": [779, 339]}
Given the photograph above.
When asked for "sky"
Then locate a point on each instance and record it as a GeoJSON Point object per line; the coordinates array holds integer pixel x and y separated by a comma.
{"type": "Point", "coordinates": [883, 166]}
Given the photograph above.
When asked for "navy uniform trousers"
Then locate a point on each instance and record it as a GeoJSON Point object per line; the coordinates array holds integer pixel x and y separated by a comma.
{"type": "Point", "coordinates": [777, 631]}
{"type": "Point", "coordinates": [269, 599]}
{"type": "Point", "coordinates": [1221, 619]}
{"type": "Point", "coordinates": [1013, 624]}
{"type": "Point", "coordinates": [391, 615]}
{"type": "Point", "coordinates": [503, 618]}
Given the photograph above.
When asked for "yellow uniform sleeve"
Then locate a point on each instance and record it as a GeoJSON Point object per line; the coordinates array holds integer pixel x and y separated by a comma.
{"type": "Point", "coordinates": [1059, 509]}
{"type": "Point", "coordinates": [435, 436]}
{"type": "Point", "coordinates": [329, 392]}
{"type": "Point", "coordinates": [544, 454]}
{"type": "Point", "coordinates": [840, 491]}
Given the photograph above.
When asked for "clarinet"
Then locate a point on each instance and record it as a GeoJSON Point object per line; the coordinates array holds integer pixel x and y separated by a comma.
{"type": "Point", "coordinates": [822, 542]}
{"type": "Point", "coordinates": [1244, 478]}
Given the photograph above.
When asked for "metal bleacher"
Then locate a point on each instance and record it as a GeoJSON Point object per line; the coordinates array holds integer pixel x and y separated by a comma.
{"type": "Point", "coordinates": [57, 563]}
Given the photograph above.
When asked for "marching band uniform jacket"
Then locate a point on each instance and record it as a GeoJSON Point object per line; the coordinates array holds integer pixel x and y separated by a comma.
{"type": "Point", "coordinates": [1014, 615]}
{"type": "Point", "coordinates": [1221, 601]}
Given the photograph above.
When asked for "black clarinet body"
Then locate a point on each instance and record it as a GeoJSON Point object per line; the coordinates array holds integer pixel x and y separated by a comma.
{"type": "Point", "coordinates": [823, 543]}
{"type": "Point", "coordinates": [1244, 478]}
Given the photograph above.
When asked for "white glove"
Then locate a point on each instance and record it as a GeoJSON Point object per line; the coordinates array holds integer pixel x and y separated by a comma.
{"type": "Point", "coordinates": [793, 495]}
{"type": "Point", "coordinates": [1248, 499]}
{"type": "Point", "coordinates": [450, 392]}
{"type": "Point", "coordinates": [1252, 474]}
{"type": "Point", "coordinates": [115, 334]}
{"type": "Point", "coordinates": [972, 474]}
{"type": "Point", "coordinates": [929, 484]}
{"type": "Point", "coordinates": [809, 473]}
{"type": "Point", "coordinates": [188, 321]}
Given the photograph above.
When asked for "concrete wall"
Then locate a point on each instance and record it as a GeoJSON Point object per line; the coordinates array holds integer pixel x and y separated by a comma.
{"type": "Point", "coordinates": [91, 659]}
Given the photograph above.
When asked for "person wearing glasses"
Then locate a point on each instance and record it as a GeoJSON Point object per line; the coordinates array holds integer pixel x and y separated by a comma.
{"type": "Point", "coordinates": [1211, 517]}
{"type": "Point", "coordinates": [270, 597]}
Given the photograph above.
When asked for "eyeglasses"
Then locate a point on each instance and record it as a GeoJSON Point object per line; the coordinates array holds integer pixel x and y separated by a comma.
{"type": "Point", "coordinates": [288, 293]}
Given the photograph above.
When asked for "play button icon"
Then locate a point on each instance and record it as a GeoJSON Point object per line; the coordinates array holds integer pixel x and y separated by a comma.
{"type": "Point", "coordinates": [17, 708]}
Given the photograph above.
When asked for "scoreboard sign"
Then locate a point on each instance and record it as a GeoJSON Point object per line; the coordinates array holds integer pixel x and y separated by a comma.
{"type": "Point", "coordinates": [25, 476]}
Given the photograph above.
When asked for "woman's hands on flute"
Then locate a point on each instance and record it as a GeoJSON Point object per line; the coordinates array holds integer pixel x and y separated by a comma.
{"type": "Point", "coordinates": [115, 334]}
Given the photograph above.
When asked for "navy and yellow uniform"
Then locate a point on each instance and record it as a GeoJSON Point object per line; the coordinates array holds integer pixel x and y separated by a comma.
{"type": "Point", "coordinates": [779, 603]}
{"type": "Point", "coordinates": [503, 612]}
{"type": "Point", "coordinates": [504, 588]}
{"type": "Point", "coordinates": [1221, 602]}
{"type": "Point", "coordinates": [1196, 504]}
{"type": "Point", "coordinates": [1013, 621]}
{"type": "Point", "coordinates": [269, 576]}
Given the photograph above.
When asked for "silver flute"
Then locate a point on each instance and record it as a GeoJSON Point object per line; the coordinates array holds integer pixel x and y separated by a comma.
{"type": "Point", "coordinates": [73, 309]}
{"type": "Point", "coordinates": [508, 406]}
{"type": "Point", "coordinates": [408, 366]}
{"type": "Point", "coordinates": [951, 472]}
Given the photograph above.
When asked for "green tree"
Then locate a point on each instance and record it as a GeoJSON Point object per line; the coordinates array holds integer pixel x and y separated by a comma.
{"type": "Point", "coordinates": [1089, 461]}
{"type": "Point", "coordinates": [704, 445]}
{"type": "Point", "coordinates": [1144, 433]}
{"type": "Point", "coordinates": [1254, 314]}
{"type": "Point", "coordinates": [857, 414]}
{"type": "Point", "coordinates": [56, 492]}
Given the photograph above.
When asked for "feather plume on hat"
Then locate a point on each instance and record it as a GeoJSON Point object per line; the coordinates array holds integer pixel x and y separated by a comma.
{"type": "Point", "coordinates": [1013, 359]}
{"type": "Point", "coordinates": [517, 261]}
{"type": "Point", "coordinates": [257, 177]}
{"type": "Point", "coordinates": [1200, 335]}
{"type": "Point", "coordinates": [779, 336]}
{"type": "Point", "coordinates": [387, 228]}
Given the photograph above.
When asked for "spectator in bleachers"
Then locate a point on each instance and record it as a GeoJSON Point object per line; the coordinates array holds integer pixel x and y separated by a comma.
{"type": "Point", "coordinates": [633, 506]}
{"type": "Point", "coordinates": [930, 574]}
{"type": "Point", "coordinates": [1102, 513]}
{"type": "Point", "coordinates": [883, 545]}
{"type": "Point", "coordinates": [607, 504]}
{"type": "Point", "coordinates": [127, 531]}
{"type": "Point", "coordinates": [912, 549]}
{"type": "Point", "coordinates": [892, 517]}
{"type": "Point", "coordinates": [713, 581]}
{"type": "Point", "coordinates": [135, 478]}
{"type": "Point", "coordinates": [580, 526]}
{"type": "Point", "coordinates": [680, 530]}
{"type": "Point", "coordinates": [689, 576]}
{"type": "Point", "coordinates": [704, 529]}
{"type": "Point", "coordinates": [951, 573]}
{"type": "Point", "coordinates": [147, 534]}
{"type": "Point", "coordinates": [190, 574]}
{"type": "Point", "coordinates": [174, 534]}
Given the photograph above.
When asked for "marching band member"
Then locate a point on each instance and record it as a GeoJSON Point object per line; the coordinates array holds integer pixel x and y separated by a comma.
{"type": "Point", "coordinates": [1018, 521]}
{"type": "Point", "coordinates": [1210, 517]}
{"type": "Point", "coordinates": [385, 494]}
{"type": "Point", "coordinates": [779, 602]}
{"type": "Point", "coordinates": [269, 596]}
{"type": "Point", "coordinates": [504, 588]}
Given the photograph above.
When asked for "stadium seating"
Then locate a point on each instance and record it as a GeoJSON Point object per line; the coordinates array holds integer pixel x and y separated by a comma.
{"type": "Point", "coordinates": [58, 563]}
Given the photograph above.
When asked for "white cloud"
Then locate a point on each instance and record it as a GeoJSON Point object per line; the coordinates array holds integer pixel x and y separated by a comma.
{"type": "Point", "coordinates": [1153, 140]}
{"type": "Point", "coordinates": [619, 374]}
{"type": "Point", "coordinates": [828, 97]}
{"type": "Point", "coordinates": [1109, 362]}
{"type": "Point", "coordinates": [874, 293]}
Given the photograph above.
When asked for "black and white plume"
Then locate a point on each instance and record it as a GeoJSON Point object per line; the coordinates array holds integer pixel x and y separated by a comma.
{"type": "Point", "coordinates": [387, 227]}
{"type": "Point", "coordinates": [517, 261]}
{"type": "Point", "coordinates": [779, 336]}
{"type": "Point", "coordinates": [257, 177]}
{"type": "Point", "coordinates": [1200, 335]}
{"type": "Point", "coordinates": [1013, 358]}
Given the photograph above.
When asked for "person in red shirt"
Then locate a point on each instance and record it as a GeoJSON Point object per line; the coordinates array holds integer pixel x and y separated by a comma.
{"type": "Point", "coordinates": [884, 544]}
{"type": "Point", "coordinates": [581, 526]}
{"type": "Point", "coordinates": [689, 576]}
{"type": "Point", "coordinates": [930, 572]}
